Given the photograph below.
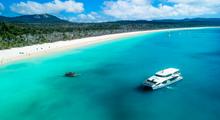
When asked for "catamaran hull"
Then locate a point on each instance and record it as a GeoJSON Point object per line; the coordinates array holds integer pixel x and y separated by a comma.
{"type": "Point", "coordinates": [162, 85]}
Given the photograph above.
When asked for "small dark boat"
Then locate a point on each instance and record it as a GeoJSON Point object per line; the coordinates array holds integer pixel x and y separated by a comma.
{"type": "Point", "coordinates": [70, 74]}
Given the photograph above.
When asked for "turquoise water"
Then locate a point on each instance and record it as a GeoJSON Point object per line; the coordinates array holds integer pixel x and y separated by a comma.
{"type": "Point", "coordinates": [111, 75]}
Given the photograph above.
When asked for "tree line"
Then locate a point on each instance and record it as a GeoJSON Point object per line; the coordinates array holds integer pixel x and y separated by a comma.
{"type": "Point", "coordinates": [24, 34]}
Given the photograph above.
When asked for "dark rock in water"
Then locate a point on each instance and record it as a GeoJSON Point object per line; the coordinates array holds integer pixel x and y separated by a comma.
{"type": "Point", "coordinates": [70, 74]}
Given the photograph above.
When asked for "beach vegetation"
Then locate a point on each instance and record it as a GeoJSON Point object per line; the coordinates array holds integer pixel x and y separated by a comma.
{"type": "Point", "coordinates": [26, 30]}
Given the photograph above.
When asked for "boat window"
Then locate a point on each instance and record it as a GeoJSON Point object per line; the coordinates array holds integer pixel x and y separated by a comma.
{"type": "Point", "coordinates": [176, 72]}
{"type": "Point", "coordinates": [163, 75]}
{"type": "Point", "coordinates": [174, 78]}
{"type": "Point", "coordinates": [151, 81]}
{"type": "Point", "coordinates": [158, 84]}
{"type": "Point", "coordinates": [159, 75]}
{"type": "Point", "coordinates": [164, 82]}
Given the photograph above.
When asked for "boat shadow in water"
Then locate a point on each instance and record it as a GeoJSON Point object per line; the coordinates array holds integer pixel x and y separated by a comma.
{"type": "Point", "coordinates": [143, 89]}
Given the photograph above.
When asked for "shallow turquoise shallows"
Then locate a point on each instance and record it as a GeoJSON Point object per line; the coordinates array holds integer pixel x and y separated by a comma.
{"type": "Point", "coordinates": [111, 74]}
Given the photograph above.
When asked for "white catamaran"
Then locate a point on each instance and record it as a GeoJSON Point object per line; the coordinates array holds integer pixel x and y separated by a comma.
{"type": "Point", "coordinates": [163, 78]}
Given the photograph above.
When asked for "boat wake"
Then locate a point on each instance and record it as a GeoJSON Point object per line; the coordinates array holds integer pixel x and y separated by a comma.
{"type": "Point", "coordinates": [170, 88]}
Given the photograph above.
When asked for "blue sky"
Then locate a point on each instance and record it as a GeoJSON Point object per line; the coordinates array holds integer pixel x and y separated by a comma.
{"type": "Point", "coordinates": [108, 10]}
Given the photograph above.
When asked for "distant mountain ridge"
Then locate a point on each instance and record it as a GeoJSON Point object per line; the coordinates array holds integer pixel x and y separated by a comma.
{"type": "Point", "coordinates": [170, 20]}
{"type": "Point", "coordinates": [31, 19]}
{"type": "Point", "coordinates": [50, 19]}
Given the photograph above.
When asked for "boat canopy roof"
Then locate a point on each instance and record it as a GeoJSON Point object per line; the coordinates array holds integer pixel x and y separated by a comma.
{"type": "Point", "coordinates": [167, 72]}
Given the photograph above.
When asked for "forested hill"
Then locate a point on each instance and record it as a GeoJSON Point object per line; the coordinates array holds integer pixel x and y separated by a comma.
{"type": "Point", "coordinates": [34, 19]}
{"type": "Point", "coordinates": [34, 29]}
{"type": "Point", "coordinates": [50, 19]}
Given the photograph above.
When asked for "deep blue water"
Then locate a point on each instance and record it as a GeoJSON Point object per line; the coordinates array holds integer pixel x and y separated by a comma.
{"type": "Point", "coordinates": [111, 74]}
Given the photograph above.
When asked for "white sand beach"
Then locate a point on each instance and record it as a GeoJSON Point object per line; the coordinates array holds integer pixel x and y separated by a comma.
{"type": "Point", "coordinates": [15, 54]}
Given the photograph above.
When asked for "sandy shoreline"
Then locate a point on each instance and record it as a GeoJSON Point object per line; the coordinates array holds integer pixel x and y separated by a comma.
{"type": "Point", "coordinates": [15, 54]}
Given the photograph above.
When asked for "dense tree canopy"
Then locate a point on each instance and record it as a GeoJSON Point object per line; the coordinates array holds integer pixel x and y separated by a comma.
{"type": "Point", "coordinates": [16, 34]}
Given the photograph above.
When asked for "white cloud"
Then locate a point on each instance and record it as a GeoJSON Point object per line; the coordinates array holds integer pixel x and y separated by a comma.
{"type": "Point", "coordinates": [143, 9]}
{"type": "Point", "coordinates": [1, 7]}
{"type": "Point", "coordinates": [200, 2]}
{"type": "Point", "coordinates": [55, 6]}
{"type": "Point", "coordinates": [90, 17]}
